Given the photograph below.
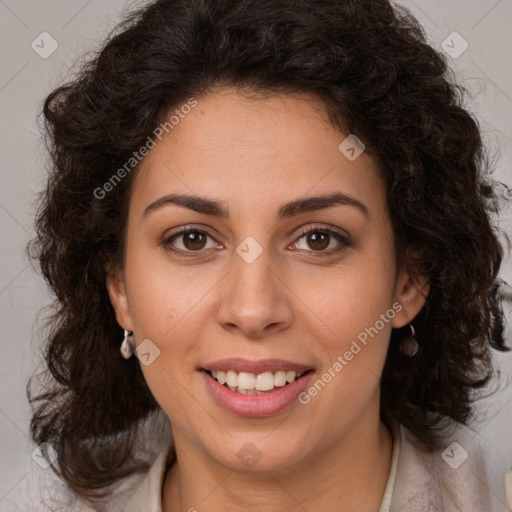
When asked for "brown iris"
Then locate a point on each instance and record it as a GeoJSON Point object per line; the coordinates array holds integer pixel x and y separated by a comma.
{"type": "Point", "coordinates": [194, 240]}
{"type": "Point", "coordinates": [318, 240]}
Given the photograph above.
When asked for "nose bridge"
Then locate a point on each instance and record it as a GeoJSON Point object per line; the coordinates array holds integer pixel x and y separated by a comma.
{"type": "Point", "coordinates": [253, 297]}
{"type": "Point", "coordinates": [253, 272]}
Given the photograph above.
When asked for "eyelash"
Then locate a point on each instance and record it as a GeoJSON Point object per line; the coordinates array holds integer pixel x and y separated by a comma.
{"type": "Point", "coordinates": [344, 241]}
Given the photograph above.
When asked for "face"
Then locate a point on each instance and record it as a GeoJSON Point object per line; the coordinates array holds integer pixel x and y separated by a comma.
{"type": "Point", "coordinates": [254, 246]}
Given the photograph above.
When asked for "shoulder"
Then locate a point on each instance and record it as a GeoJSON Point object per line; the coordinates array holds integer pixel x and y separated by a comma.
{"type": "Point", "coordinates": [464, 474]}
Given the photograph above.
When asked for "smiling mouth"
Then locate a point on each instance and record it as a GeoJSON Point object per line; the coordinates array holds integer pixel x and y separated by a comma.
{"type": "Point", "coordinates": [255, 384]}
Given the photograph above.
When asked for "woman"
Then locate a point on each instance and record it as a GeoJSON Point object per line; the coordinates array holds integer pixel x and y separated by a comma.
{"type": "Point", "coordinates": [285, 211]}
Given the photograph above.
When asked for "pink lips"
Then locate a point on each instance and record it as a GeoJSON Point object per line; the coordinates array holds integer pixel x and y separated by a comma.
{"type": "Point", "coordinates": [254, 406]}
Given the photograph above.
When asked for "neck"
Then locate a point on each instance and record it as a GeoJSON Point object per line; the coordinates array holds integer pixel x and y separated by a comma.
{"type": "Point", "coordinates": [353, 473]}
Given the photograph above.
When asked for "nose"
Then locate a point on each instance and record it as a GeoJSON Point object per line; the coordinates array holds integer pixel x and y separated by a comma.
{"type": "Point", "coordinates": [255, 298]}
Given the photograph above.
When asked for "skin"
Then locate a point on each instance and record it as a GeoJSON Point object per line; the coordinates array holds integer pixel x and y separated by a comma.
{"type": "Point", "coordinates": [295, 302]}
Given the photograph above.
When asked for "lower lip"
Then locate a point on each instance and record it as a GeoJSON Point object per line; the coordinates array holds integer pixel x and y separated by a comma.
{"type": "Point", "coordinates": [255, 406]}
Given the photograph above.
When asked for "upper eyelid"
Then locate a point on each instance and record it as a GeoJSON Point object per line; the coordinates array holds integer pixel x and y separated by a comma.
{"type": "Point", "coordinates": [187, 229]}
{"type": "Point", "coordinates": [326, 227]}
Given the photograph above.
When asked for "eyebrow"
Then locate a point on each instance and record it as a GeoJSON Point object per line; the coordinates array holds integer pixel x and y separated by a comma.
{"type": "Point", "coordinates": [287, 210]}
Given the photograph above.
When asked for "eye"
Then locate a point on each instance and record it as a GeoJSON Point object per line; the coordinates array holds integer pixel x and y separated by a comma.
{"type": "Point", "coordinates": [189, 240]}
{"type": "Point", "coordinates": [321, 240]}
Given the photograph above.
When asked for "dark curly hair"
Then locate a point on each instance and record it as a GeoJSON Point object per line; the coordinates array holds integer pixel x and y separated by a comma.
{"type": "Point", "coordinates": [370, 64]}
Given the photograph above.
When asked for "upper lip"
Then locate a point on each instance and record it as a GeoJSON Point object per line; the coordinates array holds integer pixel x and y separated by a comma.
{"type": "Point", "coordinates": [239, 364]}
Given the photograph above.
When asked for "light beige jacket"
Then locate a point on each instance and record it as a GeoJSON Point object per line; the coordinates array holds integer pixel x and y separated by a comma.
{"type": "Point", "coordinates": [464, 477]}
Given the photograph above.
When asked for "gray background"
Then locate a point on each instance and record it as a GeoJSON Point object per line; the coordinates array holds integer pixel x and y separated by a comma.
{"type": "Point", "coordinates": [25, 78]}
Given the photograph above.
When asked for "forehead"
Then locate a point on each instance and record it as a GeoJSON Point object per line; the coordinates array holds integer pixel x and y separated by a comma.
{"type": "Point", "coordinates": [254, 149]}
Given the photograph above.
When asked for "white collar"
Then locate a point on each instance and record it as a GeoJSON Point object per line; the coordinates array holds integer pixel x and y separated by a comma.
{"type": "Point", "coordinates": [385, 505]}
{"type": "Point", "coordinates": [419, 480]}
{"type": "Point", "coordinates": [148, 496]}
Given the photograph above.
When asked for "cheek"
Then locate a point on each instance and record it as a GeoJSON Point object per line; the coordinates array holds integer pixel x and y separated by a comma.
{"type": "Point", "coordinates": [167, 305]}
{"type": "Point", "coordinates": [356, 310]}
{"type": "Point", "coordinates": [352, 350]}
{"type": "Point", "coordinates": [164, 298]}
{"type": "Point", "coordinates": [354, 296]}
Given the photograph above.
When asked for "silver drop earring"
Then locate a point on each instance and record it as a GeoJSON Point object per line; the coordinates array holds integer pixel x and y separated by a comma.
{"type": "Point", "coordinates": [128, 345]}
{"type": "Point", "coordinates": [409, 345]}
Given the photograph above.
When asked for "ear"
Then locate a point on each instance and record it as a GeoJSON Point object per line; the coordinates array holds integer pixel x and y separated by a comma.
{"type": "Point", "coordinates": [118, 298]}
{"type": "Point", "coordinates": [411, 292]}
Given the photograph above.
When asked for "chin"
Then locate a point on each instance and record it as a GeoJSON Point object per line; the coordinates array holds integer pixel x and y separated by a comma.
{"type": "Point", "coordinates": [255, 456]}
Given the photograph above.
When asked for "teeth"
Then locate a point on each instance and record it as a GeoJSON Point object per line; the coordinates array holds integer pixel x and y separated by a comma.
{"type": "Point", "coordinates": [247, 381]}
{"type": "Point", "coordinates": [264, 381]}
{"type": "Point", "coordinates": [251, 384]}
{"type": "Point", "coordinates": [280, 378]}
{"type": "Point", "coordinates": [232, 379]}
{"type": "Point", "coordinates": [290, 376]}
